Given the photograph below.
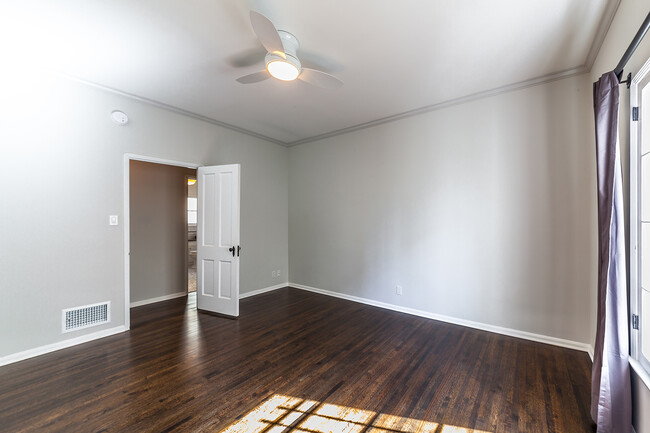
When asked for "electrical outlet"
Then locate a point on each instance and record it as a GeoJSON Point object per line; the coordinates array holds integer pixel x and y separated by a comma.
{"type": "Point", "coordinates": [273, 274]}
{"type": "Point", "coordinates": [398, 290]}
{"type": "Point", "coordinates": [278, 273]}
{"type": "Point", "coordinates": [112, 220]}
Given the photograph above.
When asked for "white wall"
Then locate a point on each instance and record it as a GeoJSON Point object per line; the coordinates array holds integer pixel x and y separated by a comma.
{"type": "Point", "coordinates": [484, 211]}
{"type": "Point", "coordinates": [56, 247]}
{"type": "Point", "coordinates": [629, 16]}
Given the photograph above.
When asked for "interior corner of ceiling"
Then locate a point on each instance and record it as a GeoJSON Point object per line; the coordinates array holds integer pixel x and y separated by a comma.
{"type": "Point", "coordinates": [601, 33]}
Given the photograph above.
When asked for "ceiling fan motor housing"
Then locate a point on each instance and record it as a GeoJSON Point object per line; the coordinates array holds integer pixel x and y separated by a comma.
{"type": "Point", "coordinates": [289, 42]}
{"type": "Point", "coordinates": [291, 45]}
{"type": "Point", "coordinates": [290, 59]}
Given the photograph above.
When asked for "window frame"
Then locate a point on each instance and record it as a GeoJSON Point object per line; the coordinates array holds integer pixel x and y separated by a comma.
{"type": "Point", "coordinates": [638, 361]}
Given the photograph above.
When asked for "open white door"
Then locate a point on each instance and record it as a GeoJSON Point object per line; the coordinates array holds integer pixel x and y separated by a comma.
{"type": "Point", "coordinates": [217, 236]}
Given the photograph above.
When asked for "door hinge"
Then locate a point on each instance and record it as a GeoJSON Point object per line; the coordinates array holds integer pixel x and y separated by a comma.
{"type": "Point", "coordinates": [635, 321]}
{"type": "Point", "coordinates": [635, 114]}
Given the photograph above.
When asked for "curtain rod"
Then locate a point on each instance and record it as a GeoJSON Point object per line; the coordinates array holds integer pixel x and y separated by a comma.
{"type": "Point", "coordinates": [630, 50]}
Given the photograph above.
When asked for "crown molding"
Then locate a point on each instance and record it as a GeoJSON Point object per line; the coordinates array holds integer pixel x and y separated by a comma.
{"type": "Point", "coordinates": [601, 32]}
{"type": "Point", "coordinates": [445, 104]}
{"type": "Point", "coordinates": [421, 110]}
{"type": "Point", "coordinates": [172, 108]}
{"type": "Point", "coordinates": [599, 38]}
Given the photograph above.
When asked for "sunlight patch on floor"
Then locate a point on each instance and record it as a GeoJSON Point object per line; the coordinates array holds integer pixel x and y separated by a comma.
{"type": "Point", "coordinates": [282, 413]}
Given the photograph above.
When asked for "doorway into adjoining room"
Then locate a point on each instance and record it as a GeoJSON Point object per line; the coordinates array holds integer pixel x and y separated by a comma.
{"type": "Point", "coordinates": [158, 231]}
{"type": "Point", "coordinates": [166, 253]}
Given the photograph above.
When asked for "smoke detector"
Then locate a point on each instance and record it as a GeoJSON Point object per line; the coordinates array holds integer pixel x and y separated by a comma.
{"type": "Point", "coordinates": [119, 117]}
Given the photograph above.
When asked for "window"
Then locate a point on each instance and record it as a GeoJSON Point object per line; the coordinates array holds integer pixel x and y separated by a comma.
{"type": "Point", "coordinates": [640, 219]}
{"type": "Point", "coordinates": [191, 200]}
{"type": "Point", "coordinates": [191, 210]}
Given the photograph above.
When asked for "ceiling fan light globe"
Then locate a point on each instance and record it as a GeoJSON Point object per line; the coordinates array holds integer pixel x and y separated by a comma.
{"type": "Point", "coordinates": [282, 70]}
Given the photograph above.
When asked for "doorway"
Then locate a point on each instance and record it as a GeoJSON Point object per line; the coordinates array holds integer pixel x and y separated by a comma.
{"type": "Point", "coordinates": [217, 236]}
{"type": "Point", "coordinates": [155, 230]}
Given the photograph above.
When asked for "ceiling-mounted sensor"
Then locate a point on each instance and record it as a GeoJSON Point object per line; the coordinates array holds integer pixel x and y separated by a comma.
{"type": "Point", "coordinates": [119, 117]}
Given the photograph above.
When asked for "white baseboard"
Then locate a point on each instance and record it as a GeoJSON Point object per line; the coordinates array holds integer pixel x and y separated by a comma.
{"type": "Point", "coordinates": [262, 290]}
{"type": "Point", "coordinates": [20, 356]}
{"type": "Point", "coordinates": [15, 357]}
{"type": "Point", "coordinates": [158, 299]}
{"type": "Point", "coordinates": [453, 320]}
{"type": "Point", "coordinates": [42, 350]}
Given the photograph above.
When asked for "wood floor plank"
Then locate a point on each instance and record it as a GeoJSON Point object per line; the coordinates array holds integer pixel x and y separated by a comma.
{"type": "Point", "coordinates": [178, 370]}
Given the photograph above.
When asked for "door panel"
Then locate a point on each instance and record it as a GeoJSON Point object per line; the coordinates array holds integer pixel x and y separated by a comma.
{"type": "Point", "coordinates": [225, 280]}
{"type": "Point", "coordinates": [207, 285]}
{"type": "Point", "coordinates": [206, 194]}
{"type": "Point", "coordinates": [226, 209]}
{"type": "Point", "coordinates": [218, 239]}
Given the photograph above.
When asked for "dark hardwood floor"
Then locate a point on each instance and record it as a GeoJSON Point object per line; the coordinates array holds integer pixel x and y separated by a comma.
{"type": "Point", "coordinates": [306, 362]}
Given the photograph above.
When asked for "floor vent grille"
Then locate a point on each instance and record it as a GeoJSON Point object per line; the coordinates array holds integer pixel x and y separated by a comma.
{"type": "Point", "coordinates": [86, 316]}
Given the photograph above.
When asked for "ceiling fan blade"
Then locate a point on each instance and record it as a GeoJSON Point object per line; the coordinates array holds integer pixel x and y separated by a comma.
{"type": "Point", "coordinates": [267, 34]}
{"type": "Point", "coordinates": [320, 79]}
{"type": "Point", "coordinates": [312, 60]}
{"type": "Point", "coordinates": [255, 77]}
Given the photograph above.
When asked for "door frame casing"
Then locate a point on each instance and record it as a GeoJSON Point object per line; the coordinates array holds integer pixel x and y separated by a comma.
{"type": "Point", "coordinates": [126, 221]}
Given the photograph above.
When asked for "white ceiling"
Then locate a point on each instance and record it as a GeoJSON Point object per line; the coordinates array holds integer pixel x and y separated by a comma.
{"type": "Point", "coordinates": [394, 57]}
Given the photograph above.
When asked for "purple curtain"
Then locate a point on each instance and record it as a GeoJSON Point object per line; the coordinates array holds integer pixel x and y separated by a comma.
{"type": "Point", "coordinates": [611, 406]}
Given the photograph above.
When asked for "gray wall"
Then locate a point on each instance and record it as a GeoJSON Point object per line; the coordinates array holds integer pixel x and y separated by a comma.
{"type": "Point", "coordinates": [158, 229]}
{"type": "Point", "coordinates": [629, 16]}
{"type": "Point", "coordinates": [59, 143]}
{"type": "Point", "coordinates": [641, 401]}
{"type": "Point", "coordinates": [484, 211]}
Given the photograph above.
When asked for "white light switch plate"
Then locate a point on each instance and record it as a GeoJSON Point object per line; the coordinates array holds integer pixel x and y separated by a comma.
{"type": "Point", "coordinates": [112, 220]}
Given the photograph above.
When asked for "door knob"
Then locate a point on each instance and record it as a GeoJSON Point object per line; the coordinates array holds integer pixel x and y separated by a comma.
{"type": "Point", "coordinates": [232, 250]}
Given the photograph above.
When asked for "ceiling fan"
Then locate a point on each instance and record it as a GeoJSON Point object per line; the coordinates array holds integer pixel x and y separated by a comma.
{"type": "Point", "coordinates": [281, 59]}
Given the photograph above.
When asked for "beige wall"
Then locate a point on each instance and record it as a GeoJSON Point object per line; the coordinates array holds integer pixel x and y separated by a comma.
{"type": "Point", "coordinates": [61, 133]}
{"type": "Point", "coordinates": [158, 231]}
{"type": "Point", "coordinates": [629, 17]}
{"type": "Point", "coordinates": [193, 190]}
